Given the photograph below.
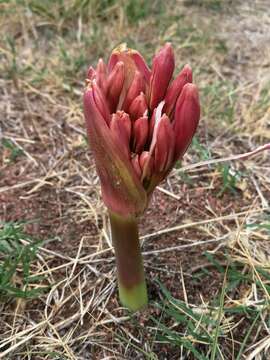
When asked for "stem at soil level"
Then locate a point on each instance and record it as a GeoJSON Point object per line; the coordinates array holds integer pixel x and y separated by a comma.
{"type": "Point", "coordinates": [130, 272]}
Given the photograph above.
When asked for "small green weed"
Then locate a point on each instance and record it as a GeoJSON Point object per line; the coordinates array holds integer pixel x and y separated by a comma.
{"type": "Point", "coordinates": [15, 263]}
{"type": "Point", "coordinates": [264, 225]}
{"type": "Point", "coordinates": [236, 277]}
{"type": "Point", "coordinates": [202, 151]}
{"type": "Point", "coordinates": [230, 177]}
{"type": "Point", "coordinates": [196, 326]}
{"type": "Point", "coordinates": [12, 149]}
{"type": "Point", "coordinates": [201, 331]}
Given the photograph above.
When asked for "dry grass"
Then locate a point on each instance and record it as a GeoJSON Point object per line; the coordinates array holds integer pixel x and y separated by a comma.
{"type": "Point", "coordinates": [48, 178]}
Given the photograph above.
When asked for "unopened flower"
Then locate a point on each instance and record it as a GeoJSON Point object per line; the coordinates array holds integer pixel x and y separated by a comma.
{"type": "Point", "coordinates": [139, 122]}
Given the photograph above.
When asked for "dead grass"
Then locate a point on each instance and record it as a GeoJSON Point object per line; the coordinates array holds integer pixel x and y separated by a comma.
{"type": "Point", "coordinates": [48, 178]}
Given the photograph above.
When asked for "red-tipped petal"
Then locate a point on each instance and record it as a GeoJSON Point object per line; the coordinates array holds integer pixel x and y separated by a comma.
{"type": "Point", "coordinates": [146, 164]}
{"type": "Point", "coordinates": [186, 118]}
{"type": "Point", "coordinates": [137, 86]}
{"type": "Point", "coordinates": [140, 134]}
{"type": "Point", "coordinates": [121, 129]}
{"type": "Point", "coordinates": [101, 102]}
{"type": "Point", "coordinates": [175, 89]}
{"type": "Point", "coordinates": [115, 85]}
{"type": "Point", "coordinates": [122, 190]}
{"type": "Point", "coordinates": [101, 76]}
{"type": "Point", "coordinates": [138, 107]}
{"type": "Point", "coordinates": [165, 144]}
{"type": "Point", "coordinates": [141, 65]}
{"type": "Point", "coordinates": [136, 165]}
{"type": "Point", "coordinates": [162, 71]}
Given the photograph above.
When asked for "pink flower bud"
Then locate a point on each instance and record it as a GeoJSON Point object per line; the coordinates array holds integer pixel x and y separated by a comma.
{"type": "Point", "coordinates": [101, 75]}
{"type": "Point", "coordinates": [165, 143]}
{"type": "Point", "coordinates": [122, 190]}
{"type": "Point", "coordinates": [140, 134]}
{"type": "Point", "coordinates": [136, 166]}
{"type": "Point", "coordinates": [133, 63]}
{"type": "Point", "coordinates": [146, 164]}
{"type": "Point", "coordinates": [137, 86]}
{"type": "Point", "coordinates": [101, 102]}
{"type": "Point", "coordinates": [175, 89]}
{"type": "Point", "coordinates": [187, 115]}
{"type": "Point", "coordinates": [163, 67]}
{"type": "Point", "coordinates": [138, 107]}
{"type": "Point", "coordinates": [123, 54]}
{"type": "Point", "coordinates": [141, 65]}
{"type": "Point", "coordinates": [132, 59]}
{"type": "Point", "coordinates": [121, 129]}
{"type": "Point", "coordinates": [115, 85]}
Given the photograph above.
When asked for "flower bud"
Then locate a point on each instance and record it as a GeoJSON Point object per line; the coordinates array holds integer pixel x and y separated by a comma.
{"type": "Point", "coordinates": [136, 166]}
{"type": "Point", "coordinates": [138, 107]}
{"type": "Point", "coordinates": [115, 85]}
{"type": "Point", "coordinates": [175, 89]}
{"type": "Point", "coordinates": [187, 115]}
{"type": "Point", "coordinates": [137, 86]}
{"type": "Point", "coordinates": [146, 164]}
{"type": "Point", "coordinates": [141, 65]}
{"type": "Point", "coordinates": [140, 134]}
{"type": "Point", "coordinates": [101, 75]}
{"type": "Point", "coordinates": [122, 190]}
{"type": "Point", "coordinates": [123, 54]}
{"type": "Point", "coordinates": [165, 143]}
{"type": "Point", "coordinates": [132, 59]}
{"type": "Point", "coordinates": [162, 71]}
{"type": "Point", "coordinates": [101, 102]}
{"type": "Point", "coordinates": [133, 62]}
{"type": "Point", "coordinates": [121, 129]}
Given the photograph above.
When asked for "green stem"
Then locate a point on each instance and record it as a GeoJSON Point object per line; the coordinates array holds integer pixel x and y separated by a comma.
{"type": "Point", "coordinates": [130, 273]}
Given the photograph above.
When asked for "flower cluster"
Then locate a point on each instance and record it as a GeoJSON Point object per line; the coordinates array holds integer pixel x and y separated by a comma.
{"type": "Point", "coordinates": [140, 121]}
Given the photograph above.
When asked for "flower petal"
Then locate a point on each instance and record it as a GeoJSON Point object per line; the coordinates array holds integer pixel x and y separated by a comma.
{"type": "Point", "coordinates": [162, 71]}
{"type": "Point", "coordinates": [122, 190]}
{"type": "Point", "coordinates": [186, 119]}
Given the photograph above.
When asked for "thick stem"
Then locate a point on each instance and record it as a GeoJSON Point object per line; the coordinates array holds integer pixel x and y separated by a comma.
{"type": "Point", "coordinates": [130, 273]}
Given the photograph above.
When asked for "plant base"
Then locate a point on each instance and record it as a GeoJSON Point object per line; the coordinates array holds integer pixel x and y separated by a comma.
{"type": "Point", "coordinates": [130, 273]}
{"type": "Point", "coordinates": [135, 298]}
